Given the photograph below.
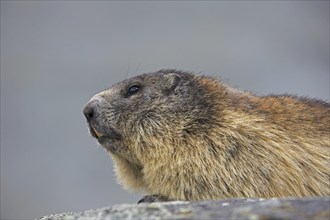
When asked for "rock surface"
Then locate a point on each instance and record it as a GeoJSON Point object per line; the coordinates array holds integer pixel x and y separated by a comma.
{"type": "Point", "coordinates": [252, 209]}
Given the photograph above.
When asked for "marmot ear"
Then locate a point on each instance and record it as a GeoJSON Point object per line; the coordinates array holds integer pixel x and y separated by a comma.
{"type": "Point", "coordinates": [171, 81]}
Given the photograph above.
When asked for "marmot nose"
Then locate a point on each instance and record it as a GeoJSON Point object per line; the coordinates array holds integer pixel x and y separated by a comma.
{"type": "Point", "coordinates": [90, 109]}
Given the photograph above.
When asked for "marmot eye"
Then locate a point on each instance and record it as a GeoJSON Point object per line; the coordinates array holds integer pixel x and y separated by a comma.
{"type": "Point", "coordinates": [133, 89]}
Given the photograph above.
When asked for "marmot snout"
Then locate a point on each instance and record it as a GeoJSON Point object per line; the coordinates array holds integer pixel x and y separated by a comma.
{"type": "Point", "coordinates": [190, 137]}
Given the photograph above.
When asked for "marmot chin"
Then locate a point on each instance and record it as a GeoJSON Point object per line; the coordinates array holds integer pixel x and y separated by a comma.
{"type": "Point", "coordinates": [182, 136]}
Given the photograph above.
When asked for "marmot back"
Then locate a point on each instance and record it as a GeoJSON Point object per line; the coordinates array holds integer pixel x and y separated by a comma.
{"type": "Point", "coordinates": [183, 136]}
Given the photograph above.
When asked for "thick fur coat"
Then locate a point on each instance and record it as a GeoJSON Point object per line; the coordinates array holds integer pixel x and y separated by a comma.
{"type": "Point", "coordinates": [191, 137]}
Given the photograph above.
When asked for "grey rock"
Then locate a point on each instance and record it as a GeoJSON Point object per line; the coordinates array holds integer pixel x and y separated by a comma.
{"type": "Point", "coordinates": [251, 209]}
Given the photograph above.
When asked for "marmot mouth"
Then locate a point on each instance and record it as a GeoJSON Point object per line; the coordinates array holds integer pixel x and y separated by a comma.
{"type": "Point", "coordinates": [110, 133]}
{"type": "Point", "coordinates": [94, 132]}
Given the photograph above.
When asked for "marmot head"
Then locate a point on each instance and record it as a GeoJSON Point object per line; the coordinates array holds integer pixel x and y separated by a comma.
{"type": "Point", "coordinates": [150, 111]}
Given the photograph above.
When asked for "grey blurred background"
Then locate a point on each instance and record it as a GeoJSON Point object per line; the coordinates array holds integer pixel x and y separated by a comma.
{"type": "Point", "coordinates": [55, 55]}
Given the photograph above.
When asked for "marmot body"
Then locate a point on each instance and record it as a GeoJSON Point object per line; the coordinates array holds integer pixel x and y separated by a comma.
{"type": "Point", "coordinates": [190, 137]}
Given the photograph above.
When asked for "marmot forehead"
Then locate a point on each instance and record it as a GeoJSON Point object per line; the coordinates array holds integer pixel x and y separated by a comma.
{"type": "Point", "coordinates": [162, 80]}
{"type": "Point", "coordinates": [152, 77]}
{"type": "Point", "coordinates": [170, 71]}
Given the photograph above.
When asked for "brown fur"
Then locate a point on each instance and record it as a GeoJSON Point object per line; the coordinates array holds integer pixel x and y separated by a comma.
{"type": "Point", "coordinates": [190, 137]}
